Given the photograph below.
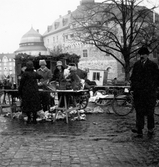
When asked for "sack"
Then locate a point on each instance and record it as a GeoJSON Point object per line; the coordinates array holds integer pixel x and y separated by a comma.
{"type": "Point", "coordinates": [69, 86]}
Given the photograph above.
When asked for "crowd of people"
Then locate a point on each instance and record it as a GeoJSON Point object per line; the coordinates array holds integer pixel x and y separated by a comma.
{"type": "Point", "coordinates": [31, 81]}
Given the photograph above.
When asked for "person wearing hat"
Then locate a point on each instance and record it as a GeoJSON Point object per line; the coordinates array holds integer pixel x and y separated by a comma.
{"type": "Point", "coordinates": [58, 73]}
{"type": "Point", "coordinates": [144, 82]}
{"type": "Point", "coordinates": [46, 77]}
{"type": "Point", "coordinates": [28, 91]}
{"type": "Point", "coordinates": [58, 77]}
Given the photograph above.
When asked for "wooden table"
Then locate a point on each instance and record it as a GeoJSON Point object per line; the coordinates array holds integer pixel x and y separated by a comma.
{"type": "Point", "coordinates": [64, 94]}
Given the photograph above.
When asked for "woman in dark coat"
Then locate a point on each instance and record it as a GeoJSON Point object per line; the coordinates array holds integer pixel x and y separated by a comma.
{"type": "Point", "coordinates": [58, 74]}
{"type": "Point", "coordinates": [58, 77]}
{"type": "Point", "coordinates": [28, 90]}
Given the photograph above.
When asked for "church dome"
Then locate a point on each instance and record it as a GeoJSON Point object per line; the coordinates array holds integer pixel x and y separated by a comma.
{"type": "Point", "coordinates": [32, 43]}
{"type": "Point", "coordinates": [31, 36]}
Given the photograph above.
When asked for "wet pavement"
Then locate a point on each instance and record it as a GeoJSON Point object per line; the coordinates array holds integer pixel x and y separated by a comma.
{"type": "Point", "coordinates": [103, 140]}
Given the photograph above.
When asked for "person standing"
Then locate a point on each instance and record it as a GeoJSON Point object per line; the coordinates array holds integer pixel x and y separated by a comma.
{"type": "Point", "coordinates": [144, 80]}
{"type": "Point", "coordinates": [58, 77]}
{"type": "Point", "coordinates": [28, 91]}
{"type": "Point", "coordinates": [58, 74]}
{"type": "Point", "coordinates": [46, 77]}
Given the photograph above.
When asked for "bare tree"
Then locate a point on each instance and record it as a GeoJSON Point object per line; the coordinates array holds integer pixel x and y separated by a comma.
{"type": "Point", "coordinates": [116, 27]}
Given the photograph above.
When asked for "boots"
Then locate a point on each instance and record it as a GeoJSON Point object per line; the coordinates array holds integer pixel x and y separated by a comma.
{"type": "Point", "coordinates": [34, 117]}
{"type": "Point", "coordinates": [139, 133]}
{"type": "Point", "coordinates": [29, 118]}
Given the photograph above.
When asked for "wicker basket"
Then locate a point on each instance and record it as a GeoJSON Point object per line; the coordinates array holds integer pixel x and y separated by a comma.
{"type": "Point", "coordinates": [52, 85]}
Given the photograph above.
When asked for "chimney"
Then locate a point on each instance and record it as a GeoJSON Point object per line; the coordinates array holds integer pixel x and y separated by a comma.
{"type": "Point", "coordinates": [86, 2]}
{"type": "Point", "coordinates": [60, 16]}
{"type": "Point", "coordinates": [37, 30]}
{"type": "Point", "coordinates": [69, 12]}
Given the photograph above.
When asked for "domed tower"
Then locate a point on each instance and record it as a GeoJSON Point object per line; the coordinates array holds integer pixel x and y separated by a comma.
{"type": "Point", "coordinates": [32, 44]}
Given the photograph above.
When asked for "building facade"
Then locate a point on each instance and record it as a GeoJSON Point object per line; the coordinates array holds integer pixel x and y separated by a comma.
{"type": "Point", "coordinates": [59, 37]}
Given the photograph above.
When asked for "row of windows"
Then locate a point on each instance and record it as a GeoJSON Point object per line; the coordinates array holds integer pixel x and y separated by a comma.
{"type": "Point", "coordinates": [5, 59]}
{"type": "Point", "coordinates": [27, 44]}
{"type": "Point", "coordinates": [65, 37]}
{"type": "Point", "coordinates": [6, 68]}
{"type": "Point", "coordinates": [6, 64]}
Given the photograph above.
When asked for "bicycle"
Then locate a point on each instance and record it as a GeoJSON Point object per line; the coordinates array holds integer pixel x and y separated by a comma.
{"type": "Point", "coordinates": [123, 104]}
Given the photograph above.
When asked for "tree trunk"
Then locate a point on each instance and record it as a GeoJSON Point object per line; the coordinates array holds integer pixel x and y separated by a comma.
{"type": "Point", "coordinates": [127, 71]}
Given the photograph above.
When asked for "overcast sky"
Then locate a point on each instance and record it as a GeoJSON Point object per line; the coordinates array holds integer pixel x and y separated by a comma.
{"type": "Point", "coordinates": [18, 16]}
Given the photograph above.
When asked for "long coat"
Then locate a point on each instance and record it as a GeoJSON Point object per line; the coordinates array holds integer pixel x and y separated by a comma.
{"type": "Point", "coordinates": [58, 75]}
{"type": "Point", "coordinates": [144, 81]}
{"type": "Point", "coordinates": [46, 75]}
{"type": "Point", "coordinates": [28, 90]}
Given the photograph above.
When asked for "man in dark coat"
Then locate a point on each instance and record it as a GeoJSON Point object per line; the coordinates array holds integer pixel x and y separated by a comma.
{"type": "Point", "coordinates": [144, 85]}
{"type": "Point", "coordinates": [28, 90]}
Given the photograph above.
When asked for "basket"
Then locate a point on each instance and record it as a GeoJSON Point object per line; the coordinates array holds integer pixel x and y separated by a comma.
{"type": "Point", "coordinates": [52, 85]}
{"type": "Point", "coordinates": [62, 85]}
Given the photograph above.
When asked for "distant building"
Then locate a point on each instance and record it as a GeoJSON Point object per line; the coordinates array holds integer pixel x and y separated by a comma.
{"type": "Point", "coordinates": [7, 66]}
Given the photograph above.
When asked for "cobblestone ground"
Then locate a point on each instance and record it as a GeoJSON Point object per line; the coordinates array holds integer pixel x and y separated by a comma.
{"type": "Point", "coordinates": [103, 140]}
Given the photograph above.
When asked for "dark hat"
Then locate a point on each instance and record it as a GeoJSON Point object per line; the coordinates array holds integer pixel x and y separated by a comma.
{"type": "Point", "coordinates": [29, 65]}
{"type": "Point", "coordinates": [143, 50]}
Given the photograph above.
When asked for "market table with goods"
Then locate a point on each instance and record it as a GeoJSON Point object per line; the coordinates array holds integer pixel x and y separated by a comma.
{"type": "Point", "coordinates": [68, 100]}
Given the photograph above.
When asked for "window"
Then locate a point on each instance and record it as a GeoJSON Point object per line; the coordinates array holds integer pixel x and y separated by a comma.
{"type": "Point", "coordinates": [63, 38]}
{"type": "Point", "coordinates": [96, 76]}
{"type": "Point", "coordinates": [123, 70]}
{"type": "Point", "coordinates": [66, 37]}
{"type": "Point", "coordinates": [85, 54]}
{"type": "Point", "coordinates": [5, 59]}
{"type": "Point", "coordinates": [71, 35]}
{"type": "Point", "coordinates": [154, 54]}
{"type": "Point", "coordinates": [107, 52]}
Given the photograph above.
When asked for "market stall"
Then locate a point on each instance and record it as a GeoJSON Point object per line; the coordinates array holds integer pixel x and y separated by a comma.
{"type": "Point", "coordinates": [68, 106]}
